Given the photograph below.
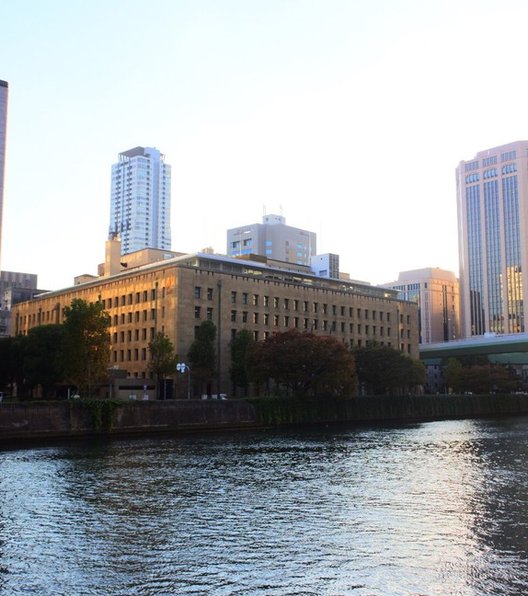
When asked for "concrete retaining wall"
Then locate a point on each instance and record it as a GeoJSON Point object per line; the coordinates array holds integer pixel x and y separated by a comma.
{"type": "Point", "coordinates": [78, 418]}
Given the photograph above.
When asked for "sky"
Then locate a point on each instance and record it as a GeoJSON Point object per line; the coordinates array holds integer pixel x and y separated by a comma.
{"type": "Point", "coordinates": [348, 117]}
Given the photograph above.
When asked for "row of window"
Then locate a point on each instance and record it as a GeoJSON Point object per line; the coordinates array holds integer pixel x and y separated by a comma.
{"type": "Point", "coordinates": [302, 305]}
{"type": "Point", "coordinates": [131, 355]}
{"type": "Point", "coordinates": [128, 299]}
{"type": "Point", "coordinates": [353, 343]}
{"type": "Point", "coordinates": [307, 324]}
{"type": "Point", "coordinates": [133, 335]}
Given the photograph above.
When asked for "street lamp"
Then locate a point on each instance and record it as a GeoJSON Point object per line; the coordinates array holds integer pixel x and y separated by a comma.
{"type": "Point", "coordinates": [181, 367]}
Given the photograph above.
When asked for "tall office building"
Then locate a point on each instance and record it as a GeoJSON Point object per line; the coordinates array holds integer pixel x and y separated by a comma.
{"type": "Point", "coordinates": [492, 200]}
{"type": "Point", "coordinates": [273, 239]}
{"type": "Point", "coordinates": [3, 126]}
{"type": "Point", "coordinates": [141, 197]}
{"type": "Point", "coordinates": [436, 292]}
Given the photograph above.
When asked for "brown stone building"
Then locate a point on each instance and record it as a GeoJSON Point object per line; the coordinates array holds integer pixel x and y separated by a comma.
{"type": "Point", "coordinates": [176, 294]}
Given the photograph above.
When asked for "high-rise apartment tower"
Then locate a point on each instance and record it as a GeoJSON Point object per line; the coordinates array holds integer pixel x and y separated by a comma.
{"type": "Point", "coordinates": [141, 197]}
{"type": "Point", "coordinates": [3, 126]}
{"type": "Point", "coordinates": [492, 199]}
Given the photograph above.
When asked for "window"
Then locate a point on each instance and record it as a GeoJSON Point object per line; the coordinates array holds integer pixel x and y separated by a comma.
{"type": "Point", "coordinates": [197, 292]}
{"type": "Point", "coordinates": [266, 319]}
{"type": "Point", "coordinates": [244, 298]}
{"type": "Point", "coordinates": [255, 318]}
{"type": "Point", "coordinates": [276, 320]}
{"type": "Point", "coordinates": [266, 300]}
{"type": "Point", "coordinates": [276, 302]}
{"type": "Point", "coordinates": [255, 299]}
{"type": "Point", "coordinates": [244, 317]}
{"type": "Point", "coordinates": [209, 293]}
{"type": "Point", "coordinates": [286, 304]}
{"type": "Point", "coordinates": [209, 314]}
{"type": "Point", "coordinates": [325, 309]}
{"type": "Point", "coordinates": [233, 297]}
{"type": "Point", "coordinates": [197, 312]}
{"type": "Point", "coordinates": [233, 316]}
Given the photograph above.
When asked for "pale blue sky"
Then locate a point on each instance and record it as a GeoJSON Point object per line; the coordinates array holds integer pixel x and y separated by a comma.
{"type": "Point", "coordinates": [348, 116]}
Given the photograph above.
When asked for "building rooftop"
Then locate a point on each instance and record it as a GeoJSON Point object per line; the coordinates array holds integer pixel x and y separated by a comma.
{"type": "Point", "coordinates": [257, 268]}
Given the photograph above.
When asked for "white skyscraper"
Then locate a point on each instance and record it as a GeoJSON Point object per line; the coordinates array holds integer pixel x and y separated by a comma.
{"type": "Point", "coordinates": [141, 197]}
{"type": "Point", "coordinates": [3, 125]}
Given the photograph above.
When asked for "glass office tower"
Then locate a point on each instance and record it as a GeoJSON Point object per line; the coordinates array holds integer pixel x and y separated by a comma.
{"type": "Point", "coordinates": [492, 200]}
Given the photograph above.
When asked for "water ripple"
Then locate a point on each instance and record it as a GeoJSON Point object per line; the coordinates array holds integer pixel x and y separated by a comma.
{"type": "Point", "coordinates": [434, 508]}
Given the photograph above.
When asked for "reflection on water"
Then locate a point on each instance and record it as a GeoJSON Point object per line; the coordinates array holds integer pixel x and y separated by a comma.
{"type": "Point", "coordinates": [432, 508]}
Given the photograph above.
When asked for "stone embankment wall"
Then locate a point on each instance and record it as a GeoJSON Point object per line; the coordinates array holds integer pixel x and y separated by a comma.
{"type": "Point", "coordinates": [80, 418]}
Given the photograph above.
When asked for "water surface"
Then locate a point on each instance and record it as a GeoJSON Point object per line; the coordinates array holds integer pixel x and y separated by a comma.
{"type": "Point", "coordinates": [429, 508]}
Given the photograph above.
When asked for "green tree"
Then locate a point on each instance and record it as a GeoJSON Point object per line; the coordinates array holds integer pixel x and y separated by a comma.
{"type": "Point", "coordinates": [12, 351]}
{"type": "Point", "coordinates": [43, 358]}
{"type": "Point", "coordinates": [240, 347]}
{"type": "Point", "coordinates": [304, 364]}
{"type": "Point", "coordinates": [385, 371]}
{"type": "Point", "coordinates": [488, 378]}
{"type": "Point", "coordinates": [453, 374]}
{"type": "Point", "coordinates": [86, 344]}
{"type": "Point", "coordinates": [162, 358]}
{"type": "Point", "coordinates": [202, 354]}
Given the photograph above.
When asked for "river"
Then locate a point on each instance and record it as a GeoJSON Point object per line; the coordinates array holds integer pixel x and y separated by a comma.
{"type": "Point", "coordinates": [426, 508]}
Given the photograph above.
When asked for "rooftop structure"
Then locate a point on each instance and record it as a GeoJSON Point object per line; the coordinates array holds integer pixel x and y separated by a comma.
{"type": "Point", "coordinates": [274, 239]}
